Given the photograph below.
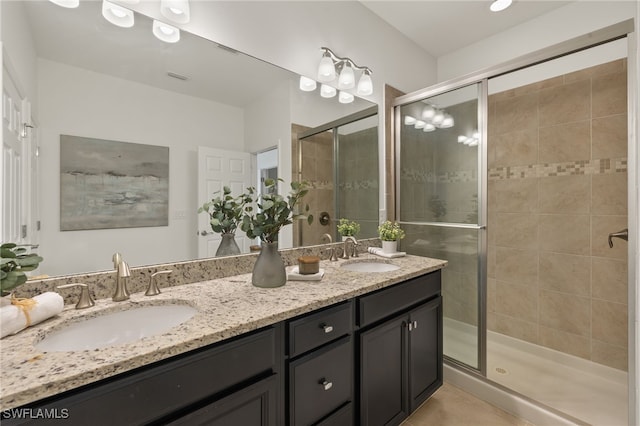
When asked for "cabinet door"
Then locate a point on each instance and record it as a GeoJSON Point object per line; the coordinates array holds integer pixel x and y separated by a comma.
{"type": "Point", "coordinates": [382, 373]}
{"type": "Point", "coordinates": [425, 352]}
{"type": "Point", "coordinates": [252, 406]}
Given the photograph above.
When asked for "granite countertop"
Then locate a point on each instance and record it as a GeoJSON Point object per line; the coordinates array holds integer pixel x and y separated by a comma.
{"type": "Point", "coordinates": [226, 307]}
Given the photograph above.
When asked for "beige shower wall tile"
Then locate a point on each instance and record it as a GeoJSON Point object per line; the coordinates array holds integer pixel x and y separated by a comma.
{"type": "Point", "coordinates": [517, 230]}
{"type": "Point", "coordinates": [565, 194]}
{"type": "Point", "coordinates": [565, 273]}
{"type": "Point", "coordinates": [565, 342]}
{"type": "Point", "coordinates": [513, 327]}
{"type": "Point", "coordinates": [564, 233]}
{"type": "Point", "coordinates": [609, 279]}
{"type": "Point", "coordinates": [516, 148]}
{"type": "Point", "coordinates": [566, 103]}
{"type": "Point", "coordinates": [609, 322]}
{"type": "Point", "coordinates": [517, 266]}
{"type": "Point", "coordinates": [609, 194]}
{"type": "Point", "coordinates": [609, 94]}
{"type": "Point", "coordinates": [565, 142]}
{"type": "Point", "coordinates": [517, 113]}
{"type": "Point", "coordinates": [515, 195]}
{"type": "Point", "coordinates": [597, 70]}
{"type": "Point", "coordinates": [609, 355]}
{"type": "Point", "coordinates": [565, 312]}
{"type": "Point", "coordinates": [609, 137]}
{"type": "Point", "coordinates": [491, 295]}
{"type": "Point", "coordinates": [491, 261]}
{"type": "Point", "coordinates": [518, 301]}
{"type": "Point", "coordinates": [601, 227]}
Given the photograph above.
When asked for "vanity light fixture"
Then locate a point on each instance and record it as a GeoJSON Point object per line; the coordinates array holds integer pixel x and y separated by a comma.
{"type": "Point", "coordinates": [498, 5]}
{"type": "Point", "coordinates": [307, 84]}
{"type": "Point", "coordinates": [438, 118]}
{"type": "Point", "coordinates": [166, 32]}
{"type": "Point", "coordinates": [447, 122]}
{"type": "Point", "coordinates": [327, 91]}
{"type": "Point", "coordinates": [69, 4]}
{"type": "Point", "coordinates": [345, 97]}
{"type": "Point", "coordinates": [419, 124]}
{"type": "Point", "coordinates": [409, 120]}
{"type": "Point", "coordinates": [177, 11]}
{"type": "Point", "coordinates": [330, 64]}
{"type": "Point", "coordinates": [117, 15]}
{"type": "Point", "coordinates": [428, 127]}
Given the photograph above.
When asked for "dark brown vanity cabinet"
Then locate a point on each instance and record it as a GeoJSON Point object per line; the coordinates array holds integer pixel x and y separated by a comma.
{"type": "Point", "coordinates": [399, 349]}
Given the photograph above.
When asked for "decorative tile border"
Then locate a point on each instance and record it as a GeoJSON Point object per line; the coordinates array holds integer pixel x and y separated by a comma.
{"type": "Point", "coordinates": [570, 168]}
{"type": "Point", "coordinates": [422, 176]}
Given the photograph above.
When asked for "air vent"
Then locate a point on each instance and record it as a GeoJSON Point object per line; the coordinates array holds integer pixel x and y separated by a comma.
{"type": "Point", "coordinates": [178, 76]}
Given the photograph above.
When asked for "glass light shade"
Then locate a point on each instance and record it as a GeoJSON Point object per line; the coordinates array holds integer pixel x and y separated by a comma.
{"type": "Point", "coordinates": [499, 5]}
{"type": "Point", "coordinates": [345, 97]}
{"type": "Point", "coordinates": [476, 134]}
{"type": "Point", "coordinates": [117, 15]}
{"type": "Point", "coordinates": [69, 4]}
{"type": "Point", "coordinates": [438, 118]}
{"type": "Point", "coordinates": [327, 91]}
{"type": "Point", "coordinates": [326, 69]}
{"type": "Point", "coordinates": [307, 84]}
{"type": "Point", "coordinates": [347, 79]}
{"type": "Point", "coordinates": [365, 85]}
{"type": "Point", "coordinates": [474, 142]}
{"type": "Point", "coordinates": [419, 124]}
{"type": "Point", "coordinates": [461, 139]}
{"type": "Point", "coordinates": [428, 127]}
{"type": "Point", "coordinates": [409, 120]}
{"type": "Point", "coordinates": [428, 112]}
{"type": "Point", "coordinates": [447, 121]}
{"type": "Point", "coordinates": [165, 32]}
{"type": "Point", "coordinates": [177, 11]}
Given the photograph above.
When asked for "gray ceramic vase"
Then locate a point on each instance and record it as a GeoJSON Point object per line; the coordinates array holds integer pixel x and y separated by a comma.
{"type": "Point", "coordinates": [228, 245]}
{"type": "Point", "coordinates": [268, 271]}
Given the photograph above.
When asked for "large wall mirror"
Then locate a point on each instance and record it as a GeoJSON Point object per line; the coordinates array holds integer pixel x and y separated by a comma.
{"type": "Point", "coordinates": [96, 80]}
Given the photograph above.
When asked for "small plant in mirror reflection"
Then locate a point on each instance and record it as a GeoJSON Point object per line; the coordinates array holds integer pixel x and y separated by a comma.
{"type": "Point", "coordinates": [225, 211]}
{"type": "Point", "coordinates": [390, 231]}
{"type": "Point", "coordinates": [15, 262]}
{"type": "Point", "coordinates": [348, 228]}
{"type": "Point", "coordinates": [274, 211]}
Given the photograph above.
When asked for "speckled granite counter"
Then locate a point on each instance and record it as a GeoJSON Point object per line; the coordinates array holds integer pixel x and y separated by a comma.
{"type": "Point", "coordinates": [227, 307]}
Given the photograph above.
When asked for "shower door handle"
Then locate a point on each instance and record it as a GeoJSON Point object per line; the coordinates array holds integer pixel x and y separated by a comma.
{"type": "Point", "coordinates": [624, 234]}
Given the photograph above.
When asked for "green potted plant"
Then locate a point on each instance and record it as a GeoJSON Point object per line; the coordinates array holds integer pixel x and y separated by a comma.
{"type": "Point", "coordinates": [225, 213]}
{"type": "Point", "coordinates": [390, 233]}
{"type": "Point", "coordinates": [273, 212]}
{"type": "Point", "coordinates": [15, 262]}
{"type": "Point", "coordinates": [348, 228]}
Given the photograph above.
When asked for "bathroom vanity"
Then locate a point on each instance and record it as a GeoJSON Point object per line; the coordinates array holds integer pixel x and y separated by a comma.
{"type": "Point", "coordinates": [355, 348]}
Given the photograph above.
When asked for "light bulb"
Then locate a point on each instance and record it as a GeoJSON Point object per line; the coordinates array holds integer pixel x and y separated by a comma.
{"type": "Point", "coordinates": [347, 79]}
{"type": "Point", "coordinates": [345, 97]}
{"type": "Point", "coordinates": [365, 85]}
{"type": "Point", "coordinates": [499, 5]}
{"type": "Point", "coordinates": [327, 91]}
{"type": "Point", "coordinates": [307, 84]}
{"type": "Point", "coordinates": [326, 69]}
{"type": "Point", "coordinates": [117, 15]}
{"type": "Point", "coordinates": [177, 11]}
{"type": "Point", "coordinates": [166, 32]}
{"type": "Point", "coordinates": [69, 4]}
{"type": "Point", "coordinates": [428, 112]}
{"type": "Point", "coordinates": [409, 120]}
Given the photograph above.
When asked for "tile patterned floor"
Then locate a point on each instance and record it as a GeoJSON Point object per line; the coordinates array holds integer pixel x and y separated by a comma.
{"type": "Point", "coordinates": [451, 406]}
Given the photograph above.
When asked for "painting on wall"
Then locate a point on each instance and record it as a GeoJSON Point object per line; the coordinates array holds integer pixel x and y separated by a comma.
{"type": "Point", "coordinates": [108, 184]}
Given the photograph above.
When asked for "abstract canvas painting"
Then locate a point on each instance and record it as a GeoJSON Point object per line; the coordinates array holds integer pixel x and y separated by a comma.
{"type": "Point", "coordinates": [109, 184]}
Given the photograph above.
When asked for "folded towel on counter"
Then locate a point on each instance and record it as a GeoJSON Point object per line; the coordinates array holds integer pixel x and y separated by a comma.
{"type": "Point", "coordinates": [23, 313]}
{"type": "Point", "coordinates": [295, 275]}
{"type": "Point", "coordinates": [378, 252]}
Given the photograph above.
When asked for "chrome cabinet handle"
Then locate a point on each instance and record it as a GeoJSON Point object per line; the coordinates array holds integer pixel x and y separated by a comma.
{"type": "Point", "coordinates": [327, 328]}
{"type": "Point", "coordinates": [326, 385]}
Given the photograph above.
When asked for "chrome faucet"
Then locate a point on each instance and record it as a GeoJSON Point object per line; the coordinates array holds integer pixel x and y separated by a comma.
{"type": "Point", "coordinates": [122, 274]}
{"type": "Point", "coordinates": [345, 251]}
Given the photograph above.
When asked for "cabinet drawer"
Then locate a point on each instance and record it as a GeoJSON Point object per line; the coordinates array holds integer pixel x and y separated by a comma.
{"type": "Point", "coordinates": [319, 328]}
{"type": "Point", "coordinates": [321, 382]}
{"type": "Point", "coordinates": [388, 301]}
{"type": "Point", "coordinates": [342, 417]}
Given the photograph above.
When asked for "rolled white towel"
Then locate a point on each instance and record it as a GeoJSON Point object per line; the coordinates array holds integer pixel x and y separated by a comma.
{"type": "Point", "coordinates": [378, 252]}
{"type": "Point", "coordinates": [14, 318]}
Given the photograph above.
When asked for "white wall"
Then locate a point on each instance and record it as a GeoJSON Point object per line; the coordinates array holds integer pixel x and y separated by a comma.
{"type": "Point", "coordinates": [84, 103]}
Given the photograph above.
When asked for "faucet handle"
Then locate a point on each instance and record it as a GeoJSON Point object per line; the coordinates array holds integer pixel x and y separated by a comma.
{"type": "Point", "coordinates": [153, 288]}
{"type": "Point", "coordinates": [85, 300]}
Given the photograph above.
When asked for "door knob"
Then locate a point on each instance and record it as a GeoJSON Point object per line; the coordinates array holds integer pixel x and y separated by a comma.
{"type": "Point", "coordinates": [624, 234]}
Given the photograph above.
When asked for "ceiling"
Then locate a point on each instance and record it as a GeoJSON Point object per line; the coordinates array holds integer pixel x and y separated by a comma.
{"type": "Point", "coordinates": [443, 26]}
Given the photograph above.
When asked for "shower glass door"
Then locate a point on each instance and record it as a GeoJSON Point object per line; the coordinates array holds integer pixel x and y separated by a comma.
{"type": "Point", "coordinates": [440, 205]}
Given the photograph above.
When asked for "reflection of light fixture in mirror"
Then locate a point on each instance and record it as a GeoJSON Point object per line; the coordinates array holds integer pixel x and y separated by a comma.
{"type": "Point", "coordinates": [307, 84]}
{"type": "Point", "coordinates": [69, 4]}
{"type": "Point", "coordinates": [428, 112]}
{"type": "Point", "coordinates": [176, 10]}
{"type": "Point", "coordinates": [438, 118]}
{"type": "Point", "coordinates": [365, 85]}
{"type": "Point", "coordinates": [428, 127]}
{"type": "Point", "coordinates": [165, 32]}
{"type": "Point", "coordinates": [326, 69]}
{"type": "Point", "coordinates": [327, 91]}
{"type": "Point", "coordinates": [347, 79]}
{"type": "Point", "coordinates": [499, 5]}
{"type": "Point", "coordinates": [409, 120]}
{"type": "Point", "coordinates": [419, 124]}
{"type": "Point", "coordinates": [447, 122]}
{"type": "Point", "coordinates": [345, 97]}
{"type": "Point", "coordinates": [117, 15]}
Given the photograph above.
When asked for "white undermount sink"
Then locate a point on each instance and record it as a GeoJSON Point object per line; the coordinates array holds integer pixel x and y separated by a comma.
{"type": "Point", "coordinates": [116, 328]}
{"type": "Point", "coordinates": [370, 266]}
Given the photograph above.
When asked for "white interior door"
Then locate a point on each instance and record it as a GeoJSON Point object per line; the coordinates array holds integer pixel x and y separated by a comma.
{"type": "Point", "coordinates": [218, 168]}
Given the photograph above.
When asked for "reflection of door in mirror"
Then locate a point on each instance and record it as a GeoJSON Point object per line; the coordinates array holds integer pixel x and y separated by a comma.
{"type": "Point", "coordinates": [340, 161]}
{"type": "Point", "coordinates": [267, 165]}
{"type": "Point", "coordinates": [218, 168]}
{"type": "Point", "coordinates": [19, 167]}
